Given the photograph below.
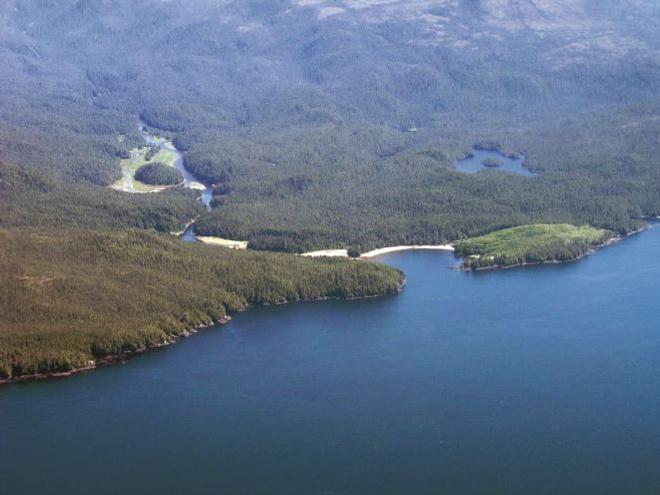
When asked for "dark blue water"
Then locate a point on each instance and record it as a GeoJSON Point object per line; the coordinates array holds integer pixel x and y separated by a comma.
{"type": "Point", "coordinates": [475, 163]}
{"type": "Point", "coordinates": [542, 380]}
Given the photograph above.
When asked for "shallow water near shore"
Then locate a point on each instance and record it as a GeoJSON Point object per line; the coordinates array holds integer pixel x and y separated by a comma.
{"type": "Point", "coordinates": [536, 380]}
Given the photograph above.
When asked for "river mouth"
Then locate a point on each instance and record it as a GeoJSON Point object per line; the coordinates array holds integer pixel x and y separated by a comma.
{"type": "Point", "coordinates": [480, 159]}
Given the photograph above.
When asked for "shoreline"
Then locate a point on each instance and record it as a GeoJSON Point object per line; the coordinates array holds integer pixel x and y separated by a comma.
{"type": "Point", "coordinates": [111, 359]}
{"type": "Point", "coordinates": [343, 253]}
{"type": "Point", "coordinates": [326, 253]}
{"type": "Point", "coordinates": [416, 247]}
{"type": "Point", "coordinates": [122, 357]}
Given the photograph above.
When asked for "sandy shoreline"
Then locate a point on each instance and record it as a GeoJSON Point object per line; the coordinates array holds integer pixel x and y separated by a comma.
{"type": "Point", "coordinates": [343, 253]}
{"type": "Point", "coordinates": [219, 241]}
{"type": "Point", "coordinates": [328, 253]}
{"type": "Point", "coordinates": [394, 249]}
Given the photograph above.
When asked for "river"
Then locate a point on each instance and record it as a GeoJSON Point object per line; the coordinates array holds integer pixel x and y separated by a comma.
{"type": "Point", "coordinates": [539, 380]}
{"type": "Point", "coordinates": [189, 179]}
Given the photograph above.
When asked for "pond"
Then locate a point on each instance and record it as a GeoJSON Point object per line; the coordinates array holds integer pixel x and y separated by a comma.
{"type": "Point", "coordinates": [481, 159]}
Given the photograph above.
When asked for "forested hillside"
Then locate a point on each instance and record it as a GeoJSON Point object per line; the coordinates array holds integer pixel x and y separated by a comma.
{"type": "Point", "coordinates": [34, 199]}
{"type": "Point", "coordinates": [71, 297]}
{"type": "Point", "coordinates": [328, 123]}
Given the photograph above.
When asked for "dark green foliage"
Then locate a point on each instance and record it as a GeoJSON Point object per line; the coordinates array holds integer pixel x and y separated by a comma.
{"type": "Point", "coordinates": [353, 252]}
{"type": "Point", "coordinates": [69, 297]}
{"type": "Point", "coordinates": [32, 199]}
{"type": "Point", "coordinates": [414, 199]}
{"type": "Point", "coordinates": [158, 174]}
{"type": "Point", "coordinates": [221, 189]}
{"type": "Point", "coordinates": [151, 152]}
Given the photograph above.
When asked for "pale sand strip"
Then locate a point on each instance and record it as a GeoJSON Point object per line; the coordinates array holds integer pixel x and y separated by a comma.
{"type": "Point", "coordinates": [219, 241]}
{"type": "Point", "coordinates": [198, 186]}
{"type": "Point", "coordinates": [330, 253]}
{"type": "Point", "coordinates": [343, 253]}
{"type": "Point", "coordinates": [393, 249]}
{"type": "Point", "coordinates": [146, 189]}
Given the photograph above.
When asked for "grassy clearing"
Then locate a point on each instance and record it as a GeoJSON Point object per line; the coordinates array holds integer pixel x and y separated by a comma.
{"type": "Point", "coordinates": [128, 182]}
{"type": "Point", "coordinates": [536, 243]}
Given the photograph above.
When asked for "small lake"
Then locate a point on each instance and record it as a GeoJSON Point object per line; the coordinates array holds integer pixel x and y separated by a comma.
{"type": "Point", "coordinates": [542, 380]}
{"type": "Point", "coordinates": [480, 159]}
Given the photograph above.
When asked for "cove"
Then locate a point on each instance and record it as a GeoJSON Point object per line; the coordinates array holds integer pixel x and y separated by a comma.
{"type": "Point", "coordinates": [538, 380]}
{"type": "Point", "coordinates": [480, 159]}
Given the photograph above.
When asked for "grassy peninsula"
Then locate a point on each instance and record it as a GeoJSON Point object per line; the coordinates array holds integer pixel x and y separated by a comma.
{"type": "Point", "coordinates": [159, 170]}
{"type": "Point", "coordinates": [537, 243]}
{"type": "Point", "coordinates": [69, 299]}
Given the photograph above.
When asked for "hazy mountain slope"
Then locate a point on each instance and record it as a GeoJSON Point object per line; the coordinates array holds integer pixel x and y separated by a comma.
{"type": "Point", "coordinates": [261, 94]}
{"type": "Point", "coordinates": [376, 60]}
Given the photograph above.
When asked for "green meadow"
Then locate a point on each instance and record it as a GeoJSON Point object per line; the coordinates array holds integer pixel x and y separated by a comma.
{"type": "Point", "coordinates": [536, 243]}
{"type": "Point", "coordinates": [138, 158]}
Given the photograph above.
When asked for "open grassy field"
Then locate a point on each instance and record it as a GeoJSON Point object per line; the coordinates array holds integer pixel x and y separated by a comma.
{"type": "Point", "coordinates": [536, 243]}
{"type": "Point", "coordinates": [138, 158]}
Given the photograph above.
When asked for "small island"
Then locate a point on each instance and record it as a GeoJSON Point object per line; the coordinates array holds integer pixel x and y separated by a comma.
{"type": "Point", "coordinates": [530, 244]}
{"type": "Point", "coordinates": [158, 174]}
{"type": "Point", "coordinates": [492, 163]}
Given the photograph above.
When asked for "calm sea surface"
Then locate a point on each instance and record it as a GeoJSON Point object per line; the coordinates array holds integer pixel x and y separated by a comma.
{"type": "Point", "coordinates": [543, 380]}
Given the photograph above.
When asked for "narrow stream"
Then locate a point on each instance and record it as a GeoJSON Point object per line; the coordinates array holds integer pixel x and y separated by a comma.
{"type": "Point", "coordinates": [190, 181]}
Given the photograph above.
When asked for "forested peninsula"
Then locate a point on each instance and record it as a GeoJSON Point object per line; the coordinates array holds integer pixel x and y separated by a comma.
{"type": "Point", "coordinates": [70, 300]}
